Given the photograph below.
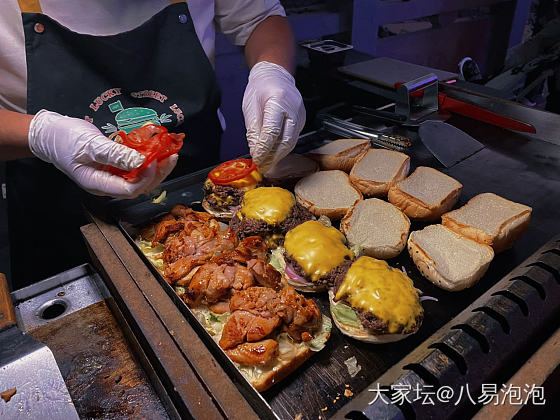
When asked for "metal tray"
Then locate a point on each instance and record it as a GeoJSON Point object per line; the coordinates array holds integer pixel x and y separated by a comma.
{"type": "Point", "coordinates": [319, 385]}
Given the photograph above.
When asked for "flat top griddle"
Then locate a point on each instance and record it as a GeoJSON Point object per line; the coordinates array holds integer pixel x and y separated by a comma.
{"type": "Point", "coordinates": [510, 165]}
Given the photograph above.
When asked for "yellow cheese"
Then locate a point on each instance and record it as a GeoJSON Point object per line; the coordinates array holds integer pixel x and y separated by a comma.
{"type": "Point", "coordinates": [388, 293]}
{"type": "Point", "coordinates": [249, 181]}
{"type": "Point", "coordinates": [271, 204]}
{"type": "Point", "coordinates": [317, 248]}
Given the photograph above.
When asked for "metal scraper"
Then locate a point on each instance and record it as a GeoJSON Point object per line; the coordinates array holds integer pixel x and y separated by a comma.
{"type": "Point", "coordinates": [31, 385]}
{"type": "Point", "coordinates": [447, 143]}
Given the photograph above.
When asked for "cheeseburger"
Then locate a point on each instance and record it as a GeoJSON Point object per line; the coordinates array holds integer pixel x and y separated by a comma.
{"type": "Point", "coordinates": [375, 303]}
{"type": "Point", "coordinates": [313, 255]}
{"type": "Point", "coordinates": [226, 184]}
{"type": "Point", "coordinates": [268, 212]}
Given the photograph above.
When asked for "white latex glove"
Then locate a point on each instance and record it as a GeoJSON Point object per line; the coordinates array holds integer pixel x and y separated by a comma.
{"type": "Point", "coordinates": [274, 113]}
{"type": "Point", "coordinates": [78, 149]}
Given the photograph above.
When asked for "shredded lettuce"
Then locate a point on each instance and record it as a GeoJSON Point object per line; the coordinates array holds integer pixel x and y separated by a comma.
{"type": "Point", "coordinates": [320, 340]}
{"type": "Point", "coordinates": [160, 198]}
{"type": "Point", "coordinates": [277, 259]}
{"type": "Point", "coordinates": [357, 250]}
{"type": "Point", "coordinates": [212, 322]}
{"type": "Point", "coordinates": [153, 254]}
{"type": "Point", "coordinates": [325, 221]}
{"type": "Point", "coordinates": [345, 314]}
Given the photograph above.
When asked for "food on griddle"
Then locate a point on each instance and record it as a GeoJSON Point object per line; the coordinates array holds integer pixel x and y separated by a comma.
{"type": "Point", "coordinates": [490, 219]}
{"type": "Point", "coordinates": [220, 277]}
{"type": "Point", "coordinates": [377, 227]}
{"type": "Point", "coordinates": [274, 332]}
{"type": "Point", "coordinates": [339, 154]}
{"type": "Point", "coordinates": [185, 239]}
{"type": "Point", "coordinates": [289, 169]}
{"type": "Point", "coordinates": [226, 184]}
{"type": "Point", "coordinates": [267, 330]}
{"type": "Point", "coordinates": [426, 194]}
{"type": "Point", "coordinates": [327, 193]}
{"type": "Point", "coordinates": [374, 302]}
{"type": "Point", "coordinates": [449, 260]}
{"type": "Point", "coordinates": [378, 170]}
{"type": "Point", "coordinates": [312, 255]}
{"type": "Point", "coordinates": [151, 140]}
{"type": "Point", "coordinates": [268, 212]}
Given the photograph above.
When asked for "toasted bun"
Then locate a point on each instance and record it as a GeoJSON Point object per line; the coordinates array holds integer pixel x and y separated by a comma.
{"type": "Point", "coordinates": [327, 193]}
{"type": "Point", "coordinates": [363, 334]}
{"type": "Point", "coordinates": [281, 369]}
{"type": "Point", "coordinates": [491, 220]}
{"type": "Point", "coordinates": [447, 259]}
{"type": "Point", "coordinates": [378, 170]}
{"type": "Point", "coordinates": [379, 228]}
{"type": "Point", "coordinates": [340, 154]}
{"type": "Point", "coordinates": [426, 194]}
{"type": "Point", "coordinates": [218, 214]}
{"type": "Point", "coordinates": [290, 169]}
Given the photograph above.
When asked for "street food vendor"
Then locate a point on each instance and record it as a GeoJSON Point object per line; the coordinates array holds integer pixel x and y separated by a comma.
{"type": "Point", "coordinates": [74, 72]}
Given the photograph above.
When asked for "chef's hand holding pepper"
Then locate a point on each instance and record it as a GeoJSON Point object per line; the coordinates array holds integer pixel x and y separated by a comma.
{"type": "Point", "coordinates": [78, 149]}
{"type": "Point", "coordinates": [274, 113]}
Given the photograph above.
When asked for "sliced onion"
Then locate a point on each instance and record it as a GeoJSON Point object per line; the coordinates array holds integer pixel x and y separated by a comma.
{"type": "Point", "coordinates": [286, 349]}
{"type": "Point", "coordinates": [423, 298]}
{"type": "Point", "coordinates": [293, 275]}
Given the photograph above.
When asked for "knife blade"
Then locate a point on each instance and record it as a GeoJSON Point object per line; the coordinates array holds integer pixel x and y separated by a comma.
{"type": "Point", "coordinates": [456, 106]}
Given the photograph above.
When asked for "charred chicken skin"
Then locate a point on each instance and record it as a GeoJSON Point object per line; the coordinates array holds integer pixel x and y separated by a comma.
{"type": "Point", "coordinates": [260, 353]}
{"type": "Point", "coordinates": [258, 311]}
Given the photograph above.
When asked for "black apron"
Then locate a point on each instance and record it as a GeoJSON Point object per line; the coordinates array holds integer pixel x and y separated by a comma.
{"type": "Point", "coordinates": [156, 72]}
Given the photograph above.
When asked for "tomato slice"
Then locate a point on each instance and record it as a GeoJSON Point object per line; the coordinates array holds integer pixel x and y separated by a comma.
{"type": "Point", "coordinates": [232, 170]}
{"type": "Point", "coordinates": [153, 141]}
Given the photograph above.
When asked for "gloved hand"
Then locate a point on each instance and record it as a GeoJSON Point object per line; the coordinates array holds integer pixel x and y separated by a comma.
{"type": "Point", "coordinates": [78, 149]}
{"type": "Point", "coordinates": [274, 113]}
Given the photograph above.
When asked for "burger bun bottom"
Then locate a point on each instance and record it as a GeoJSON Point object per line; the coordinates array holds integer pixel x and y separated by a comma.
{"type": "Point", "coordinates": [362, 334]}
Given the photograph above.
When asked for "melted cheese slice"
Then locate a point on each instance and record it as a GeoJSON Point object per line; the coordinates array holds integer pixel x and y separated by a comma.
{"type": "Point", "coordinates": [271, 204]}
{"type": "Point", "coordinates": [249, 181]}
{"type": "Point", "coordinates": [371, 285]}
{"type": "Point", "coordinates": [317, 248]}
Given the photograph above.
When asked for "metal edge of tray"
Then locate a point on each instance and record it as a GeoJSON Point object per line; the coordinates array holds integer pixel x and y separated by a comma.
{"type": "Point", "coordinates": [253, 396]}
{"type": "Point", "coordinates": [474, 346]}
{"type": "Point", "coordinates": [195, 382]}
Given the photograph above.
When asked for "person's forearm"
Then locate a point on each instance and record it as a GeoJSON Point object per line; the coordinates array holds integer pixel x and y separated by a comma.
{"type": "Point", "coordinates": [273, 41]}
{"type": "Point", "coordinates": [14, 128]}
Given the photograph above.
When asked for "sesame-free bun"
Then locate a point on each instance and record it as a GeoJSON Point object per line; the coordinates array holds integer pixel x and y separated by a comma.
{"type": "Point", "coordinates": [339, 154]}
{"type": "Point", "coordinates": [490, 219]}
{"type": "Point", "coordinates": [378, 227]}
{"type": "Point", "coordinates": [378, 170]}
{"type": "Point", "coordinates": [449, 260]}
{"type": "Point", "coordinates": [362, 334]}
{"type": "Point", "coordinates": [327, 193]}
{"type": "Point", "coordinates": [426, 194]}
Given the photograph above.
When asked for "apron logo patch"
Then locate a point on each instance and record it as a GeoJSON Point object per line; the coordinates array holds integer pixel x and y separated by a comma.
{"type": "Point", "coordinates": [131, 117]}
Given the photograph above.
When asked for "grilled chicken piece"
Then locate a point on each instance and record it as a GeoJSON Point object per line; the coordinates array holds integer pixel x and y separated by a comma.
{"type": "Point", "coordinates": [221, 307]}
{"type": "Point", "coordinates": [299, 315]}
{"type": "Point", "coordinates": [243, 278]}
{"type": "Point", "coordinates": [220, 283]}
{"type": "Point", "coordinates": [260, 353]}
{"type": "Point", "coordinates": [244, 326]}
{"type": "Point", "coordinates": [265, 274]}
{"type": "Point", "coordinates": [253, 300]}
{"type": "Point", "coordinates": [198, 284]}
{"type": "Point", "coordinates": [164, 228]}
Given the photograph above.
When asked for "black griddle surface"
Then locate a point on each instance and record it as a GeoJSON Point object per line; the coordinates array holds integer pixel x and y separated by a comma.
{"type": "Point", "coordinates": [515, 167]}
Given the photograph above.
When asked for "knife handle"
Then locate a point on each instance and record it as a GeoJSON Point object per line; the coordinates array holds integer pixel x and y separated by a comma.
{"type": "Point", "coordinates": [7, 315]}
